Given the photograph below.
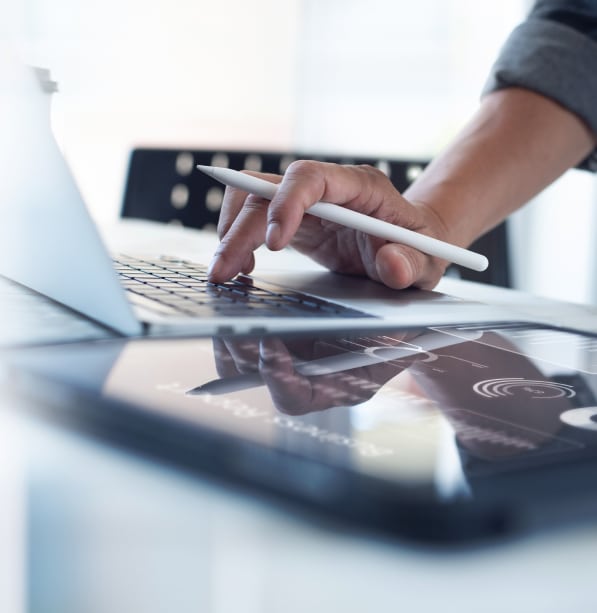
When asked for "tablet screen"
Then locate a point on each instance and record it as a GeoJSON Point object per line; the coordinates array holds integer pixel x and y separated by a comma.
{"type": "Point", "coordinates": [435, 407]}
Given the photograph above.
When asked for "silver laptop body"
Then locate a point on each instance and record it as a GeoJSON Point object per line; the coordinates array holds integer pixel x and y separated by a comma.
{"type": "Point", "coordinates": [49, 243]}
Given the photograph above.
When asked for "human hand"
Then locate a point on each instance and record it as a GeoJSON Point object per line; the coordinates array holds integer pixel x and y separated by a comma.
{"type": "Point", "coordinates": [308, 375]}
{"type": "Point", "coordinates": [247, 221]}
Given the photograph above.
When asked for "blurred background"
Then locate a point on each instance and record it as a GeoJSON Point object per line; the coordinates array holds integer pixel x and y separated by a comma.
{"type": "Point", "coordinates": [383, 78]}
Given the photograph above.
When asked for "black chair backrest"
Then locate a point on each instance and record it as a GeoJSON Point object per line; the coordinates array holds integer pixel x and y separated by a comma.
{"type": "Point", "coordinates": [163, 185]}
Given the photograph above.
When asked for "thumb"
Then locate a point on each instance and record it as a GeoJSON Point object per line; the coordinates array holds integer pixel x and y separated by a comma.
{"type": "Point", "coordinates": [399, 267]}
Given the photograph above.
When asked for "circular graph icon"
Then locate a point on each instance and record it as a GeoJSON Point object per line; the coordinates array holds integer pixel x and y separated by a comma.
{"type": "Point", "coordinates": [581, 418]}
{"type": "Point", "coordinates": [510, 386]}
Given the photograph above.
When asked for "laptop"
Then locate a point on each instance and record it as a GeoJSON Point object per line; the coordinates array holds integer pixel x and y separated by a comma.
{"type": "Point", "coordinates": [49, 243]}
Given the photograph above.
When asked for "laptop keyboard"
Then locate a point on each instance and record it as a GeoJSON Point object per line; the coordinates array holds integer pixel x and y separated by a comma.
{"type": "Point", "coordinates": [177, 287]}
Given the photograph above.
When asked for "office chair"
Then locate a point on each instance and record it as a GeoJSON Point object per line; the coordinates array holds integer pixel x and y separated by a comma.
{"type": "Point", "coordinates": [163, 185]}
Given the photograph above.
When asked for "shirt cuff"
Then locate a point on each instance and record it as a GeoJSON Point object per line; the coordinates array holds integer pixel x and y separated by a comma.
{"type": "Point", "coordinates": [555, 61]}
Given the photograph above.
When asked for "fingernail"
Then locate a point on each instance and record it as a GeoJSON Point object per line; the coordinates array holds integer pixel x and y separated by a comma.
{"type": "Point", "coordinates": [408, 276]}
{"type": "Point", "coordinates": [212, 266]}
{"type": "Point", "coordinates": [266, 352]}
{"type": "Point", "coordinates": [395, 269]}
{"type": "Point", "coordinates": [272, 235]}
{"type": "Point", "coordinates": [406, 263]}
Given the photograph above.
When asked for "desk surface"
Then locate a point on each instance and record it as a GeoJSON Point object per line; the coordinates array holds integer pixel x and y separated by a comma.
{"type": "Point", "coordinates": [86, 527]}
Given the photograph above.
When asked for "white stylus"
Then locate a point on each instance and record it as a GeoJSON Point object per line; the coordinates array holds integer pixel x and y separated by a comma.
{"type": "Point", "coordinates": [357, 221]}
{"type": "Point", "coordinates": [369, 356]}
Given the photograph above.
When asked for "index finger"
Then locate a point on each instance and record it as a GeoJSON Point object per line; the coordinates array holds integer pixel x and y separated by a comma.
{"type": "Point", "coordinates": [307, 182]}
{"type": "Point", "coordinates": [234, 200]}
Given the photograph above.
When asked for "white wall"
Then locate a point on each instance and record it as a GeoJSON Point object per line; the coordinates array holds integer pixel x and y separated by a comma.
{"type": "Point", "coordinates": [553, 240]}
{"type": "Point", "coordinates": [169, 72]}
{"type": "Point", "coordinates": [394, 76]}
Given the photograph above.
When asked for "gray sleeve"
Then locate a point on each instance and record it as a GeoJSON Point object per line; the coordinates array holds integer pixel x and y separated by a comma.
{"type": "Point", "coordinates": [555, 60]}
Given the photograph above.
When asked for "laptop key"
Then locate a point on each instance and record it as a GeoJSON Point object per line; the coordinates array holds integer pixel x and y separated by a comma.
{"type": "Point", "coordinates": [177, 287]}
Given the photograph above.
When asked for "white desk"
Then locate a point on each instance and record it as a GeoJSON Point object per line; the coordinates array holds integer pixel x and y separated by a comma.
{"type": "Point", "coordinates": [88, 528]}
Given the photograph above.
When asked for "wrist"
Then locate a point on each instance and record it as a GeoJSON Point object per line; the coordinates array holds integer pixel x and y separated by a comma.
{"type": "Point", "coordinates": [448, 214]}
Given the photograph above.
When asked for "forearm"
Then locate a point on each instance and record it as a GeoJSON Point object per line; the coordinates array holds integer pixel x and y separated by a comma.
{"type": "Point", "coordinates": [517, 144]}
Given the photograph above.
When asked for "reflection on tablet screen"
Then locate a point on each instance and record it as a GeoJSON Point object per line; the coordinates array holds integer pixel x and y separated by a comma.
{"type": "Point", "coordinates": [435, 407]}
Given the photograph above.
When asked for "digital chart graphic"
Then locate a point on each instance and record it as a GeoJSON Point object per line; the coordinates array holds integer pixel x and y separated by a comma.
{"type": "Point", "coordinates": [511, 386]}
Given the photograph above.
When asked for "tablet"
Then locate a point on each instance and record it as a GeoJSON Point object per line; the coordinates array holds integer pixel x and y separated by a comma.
{"type": "Point", "coordinates": [451, 432]}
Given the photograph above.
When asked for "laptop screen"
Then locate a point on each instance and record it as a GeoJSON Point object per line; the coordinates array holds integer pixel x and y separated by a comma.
{"type": "Point", "coordinates": [48, 241]}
